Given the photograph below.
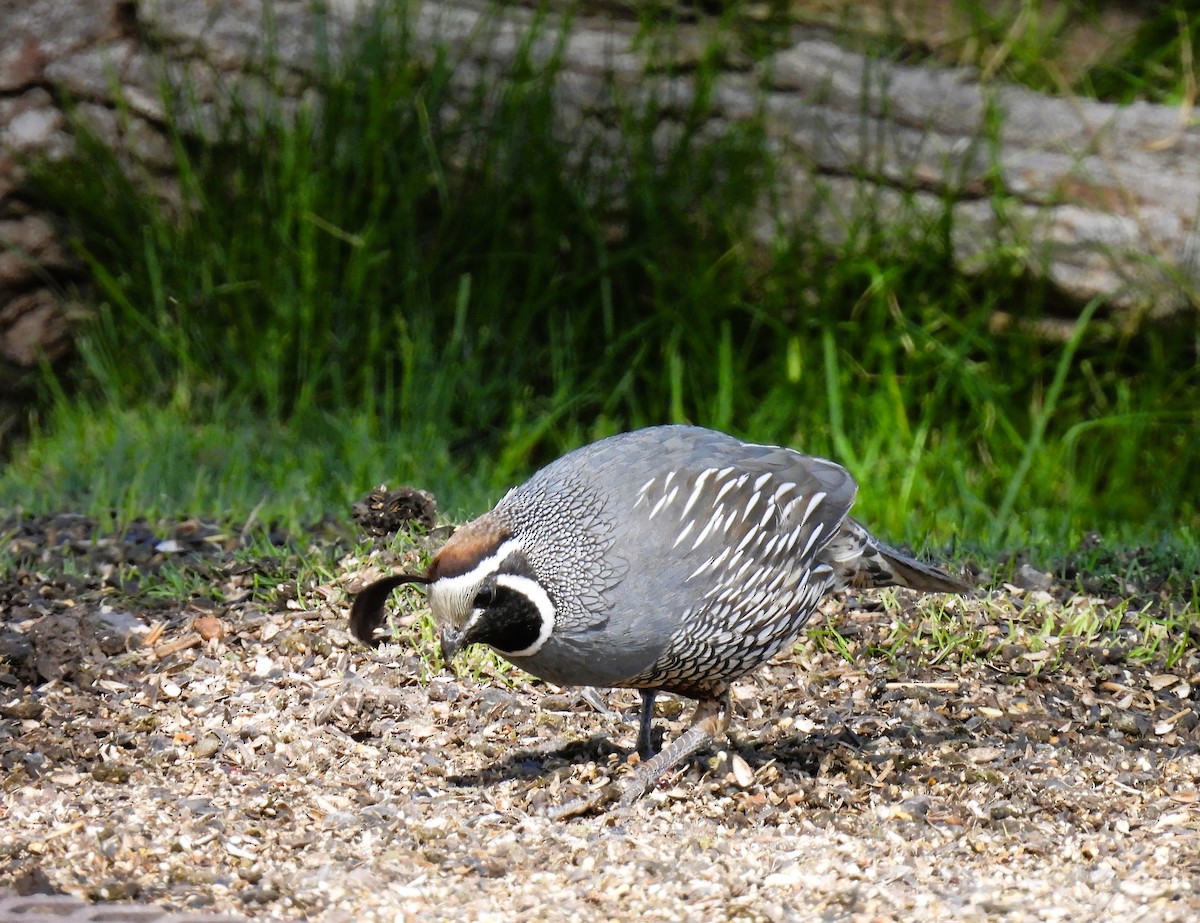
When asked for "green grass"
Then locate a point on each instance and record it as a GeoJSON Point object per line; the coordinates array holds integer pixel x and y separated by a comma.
{"type": "Point", "coordinates": [1022, 635]}
{"type": "Point", "coordinates": [391, 288]}
{"type": "Point", "coordinates": [1061, 47]}
{"type": "Point", "coordinates": [221, 460]}
{"type": "Point", "coordinates": [1159, 65]}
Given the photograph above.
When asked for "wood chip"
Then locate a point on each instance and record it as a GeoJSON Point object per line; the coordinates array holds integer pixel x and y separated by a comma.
{"type": "Point", "coordinates": [743, 775]}
{"type": "Point", "coordinates": [182, 643]}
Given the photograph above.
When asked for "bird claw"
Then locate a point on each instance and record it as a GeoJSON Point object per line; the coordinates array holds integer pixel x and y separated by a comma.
{"type": "Point", "coordinates": [636, 787]}
{"type": "Point", "coordinates": [610, 798]}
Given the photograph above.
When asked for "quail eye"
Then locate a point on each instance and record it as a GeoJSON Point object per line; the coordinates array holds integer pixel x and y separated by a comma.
{"type": "Point", "coordinates": [485, 597]}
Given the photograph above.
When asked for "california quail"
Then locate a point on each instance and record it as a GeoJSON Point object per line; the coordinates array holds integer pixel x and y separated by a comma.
{"type": "Point", "coordinates": [672, 558]}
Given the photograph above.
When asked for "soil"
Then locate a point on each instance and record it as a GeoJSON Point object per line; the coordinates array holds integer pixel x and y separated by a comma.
{"type": "Point", "coordinates": [185, 725]}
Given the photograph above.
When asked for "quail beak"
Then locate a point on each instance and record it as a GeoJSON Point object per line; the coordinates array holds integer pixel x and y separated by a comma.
{"type": "Point", "coordinates": [451, 643]}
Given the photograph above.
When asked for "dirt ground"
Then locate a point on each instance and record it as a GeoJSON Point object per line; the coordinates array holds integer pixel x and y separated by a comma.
{"type": "Point", "coordinates": [238, 753]}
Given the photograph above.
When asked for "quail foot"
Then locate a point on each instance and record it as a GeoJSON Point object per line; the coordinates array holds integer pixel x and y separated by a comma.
{"type": "Point", "coordinates": [669, 559]}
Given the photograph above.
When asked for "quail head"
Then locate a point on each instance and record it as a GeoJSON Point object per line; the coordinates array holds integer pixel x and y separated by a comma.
{"type": "Point", "coordinates": [673, 559]}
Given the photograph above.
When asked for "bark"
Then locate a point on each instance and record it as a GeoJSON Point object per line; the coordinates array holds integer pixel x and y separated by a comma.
{"type": "Point", "coordinates": [1101, 200]}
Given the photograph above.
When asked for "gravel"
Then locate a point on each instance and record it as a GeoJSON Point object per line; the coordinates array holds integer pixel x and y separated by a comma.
{"type": "Point", "coordinates": [233, 751]}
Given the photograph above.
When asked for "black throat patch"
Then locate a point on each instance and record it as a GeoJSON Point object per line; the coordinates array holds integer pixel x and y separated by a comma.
{"type": "Point", "coordinates": [510, 623]}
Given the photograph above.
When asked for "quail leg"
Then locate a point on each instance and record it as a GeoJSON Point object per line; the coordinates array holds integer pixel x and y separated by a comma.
{"type": "Point", "coordinates": [710, 721]}
{"type": "Point", "coordinates": [645, 746]}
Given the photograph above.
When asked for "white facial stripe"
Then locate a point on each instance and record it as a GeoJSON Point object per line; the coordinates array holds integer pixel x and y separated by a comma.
{"type": "Point", "coordinates": [475, 616]}
{"type": "Point", "coordinates": [532, 591]}
{"type": "Point", "coordinates": [448, 595]}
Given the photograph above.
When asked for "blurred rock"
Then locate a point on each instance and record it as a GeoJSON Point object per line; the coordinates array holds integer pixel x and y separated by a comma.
{"type": "Point", "coordinates": [115, 631]}
{"type": "Point", "coordinates": [1028, 577]}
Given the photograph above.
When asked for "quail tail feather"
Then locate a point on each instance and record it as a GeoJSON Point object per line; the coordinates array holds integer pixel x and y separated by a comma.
{"type": "Point", "coordinates": [861, 561]}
